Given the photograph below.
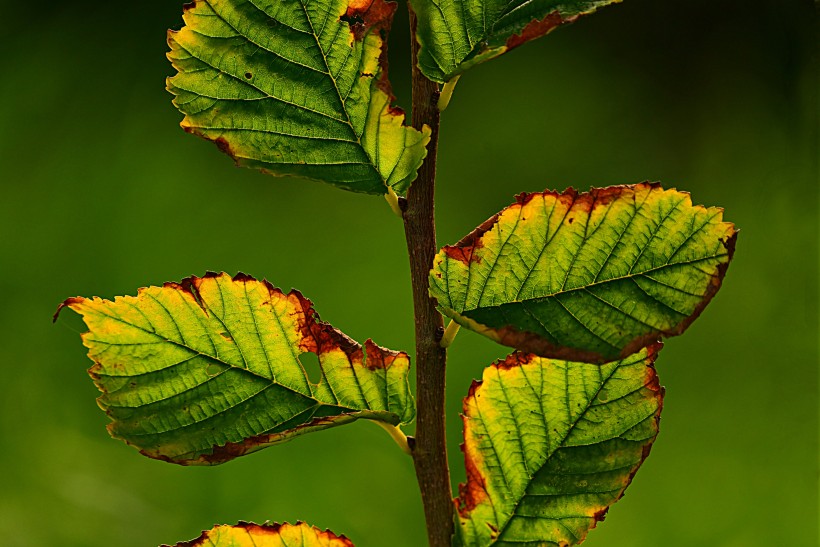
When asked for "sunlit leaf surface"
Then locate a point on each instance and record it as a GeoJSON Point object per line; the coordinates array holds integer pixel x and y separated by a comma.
{"type": "Point", "coordinates": [296, 87]}
{"type": "Point", "coordinates": [549, 445]}
{"type": "Point", "coordinates": [209, 369]}
{"type": "Point", "coordinates": [589, 276]}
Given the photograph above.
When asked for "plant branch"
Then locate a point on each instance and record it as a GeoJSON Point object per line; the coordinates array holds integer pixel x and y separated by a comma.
{"type": "Point", "coordinates": [430, 450]}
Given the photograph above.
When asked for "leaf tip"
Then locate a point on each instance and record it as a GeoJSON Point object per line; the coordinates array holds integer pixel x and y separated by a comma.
{"type": "Point", "coordinates": [67, 303]}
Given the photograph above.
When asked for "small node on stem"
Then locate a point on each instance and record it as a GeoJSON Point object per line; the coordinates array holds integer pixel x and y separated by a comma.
{"type": "Point", "coordinates": [397, 435]}
{"type": "Point", "coordinates": [393, 201]}
{"type": "Point", "coordinates": [447, 93]}
{"type": "Point", "coordinates": [449, 334]}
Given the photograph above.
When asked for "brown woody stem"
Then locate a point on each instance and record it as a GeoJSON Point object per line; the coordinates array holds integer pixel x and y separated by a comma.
{"type": "Point", "coordinates": [430, 449]}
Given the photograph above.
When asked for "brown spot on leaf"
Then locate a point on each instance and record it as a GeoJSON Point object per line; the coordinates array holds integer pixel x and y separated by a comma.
{"type": "Point", "coordinates": [537, 28]}
{"type": "Point", "coordinates": [244, 278]}
{"type": "Point", "coordinates": [464, 250]}
{"type": "Point", "coordinates": [378, 357]}
{"type": "Point", "coordinates": [599, 197]}
{"type": "Point", "coordinates": [513, 360]}
{"type": "Point", "coordinates": [365, 16]}
{"type": "Point", "coordinates": [221, 142]}
{"type": "Point", "coordinates": [463, 254]}
{"type": "Point", "coordinates": [600, 515]}
{"type": "Point", "coordinates": [224, 145]}
{"type": "Point", "coordinates": [188, 7]}
{"type": "Point", "coordinates": [320, 338]}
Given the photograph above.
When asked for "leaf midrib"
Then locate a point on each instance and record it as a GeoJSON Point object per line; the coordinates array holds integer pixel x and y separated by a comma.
{"type": "Point", "coordinates": [178, 344]}
{"type": "Point", "coordinates": [597, 283]}
{"type": "Point", "coordinates": [342, 100]}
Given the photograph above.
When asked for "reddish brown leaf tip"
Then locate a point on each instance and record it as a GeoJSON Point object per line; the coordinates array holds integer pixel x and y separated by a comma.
{"type": "Point", "coordinates": [64, 304]}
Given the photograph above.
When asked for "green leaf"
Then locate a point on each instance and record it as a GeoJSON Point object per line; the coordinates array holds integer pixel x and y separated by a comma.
{"type": "Point", "coordinates": [201, 372]}
{"type": "Point", "coordinates": [455, 35]}
{"type": "Point", "coordinates": [298, 88]}
{"type": "Point", "coordinates": [248, 534]}
{"type": "Point", "coordinates": [549, 445]}
{"type": "Point", "coordinates": [586, 276]}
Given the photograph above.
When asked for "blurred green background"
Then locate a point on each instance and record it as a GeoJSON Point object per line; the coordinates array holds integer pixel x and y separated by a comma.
{"type": "Point", "coordinates": [102, 193]}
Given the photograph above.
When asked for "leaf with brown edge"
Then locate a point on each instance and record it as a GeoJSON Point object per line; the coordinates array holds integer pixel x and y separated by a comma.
{"type": "Point", "coordinates": [248, 534]}
{"type": "Point", "coordinates": [296, 88]}
{"type": "Point", "coordinates": [591, 276]}
{"type": "Point", "coordinates": [203, 371]}
{"type": "Point", "coordinates": [550, 445]}
{"type": "Point", "coordinates": [455, 35]}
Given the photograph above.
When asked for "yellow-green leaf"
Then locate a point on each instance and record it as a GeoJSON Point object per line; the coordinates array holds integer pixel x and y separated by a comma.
{"type": "Point", "coordinates": [296, 87]}
{"type": "Point", "coordinates": [550, 445]}
{"type": "Point", "coordinates": [586, 276]}
{"type": "Point", "coordinates": [200, 372]}
{"type": "Point", "coordinates": [248, 534]}
{"type": "Point", "coordinates": [455, 35]}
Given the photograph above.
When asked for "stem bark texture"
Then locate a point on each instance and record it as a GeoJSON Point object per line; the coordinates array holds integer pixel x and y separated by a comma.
{"type": "Point", "coordinates": [430, 449]}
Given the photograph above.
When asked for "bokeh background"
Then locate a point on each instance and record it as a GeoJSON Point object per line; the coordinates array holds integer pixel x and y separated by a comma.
{"type": "Point", "coordinates": [102, 193]}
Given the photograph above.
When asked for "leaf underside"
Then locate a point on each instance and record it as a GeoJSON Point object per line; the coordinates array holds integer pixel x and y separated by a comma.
{"type": "Point", "coordinates": [549, 445]}
{"type": "Point", "coordinates": [586, 276]}
{"type": "Point", "coordinates": [201, 372]}
{"type": "Point", "coordinates": [296, 87]}
{"type": "Point", "coordinates": [455, 35]}
{"type": "Point", "coordinates": [248, 534]}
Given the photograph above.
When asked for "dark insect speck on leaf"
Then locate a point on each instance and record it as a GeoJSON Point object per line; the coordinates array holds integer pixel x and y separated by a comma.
{"type": "Point", "coordinates": [248, 75]}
